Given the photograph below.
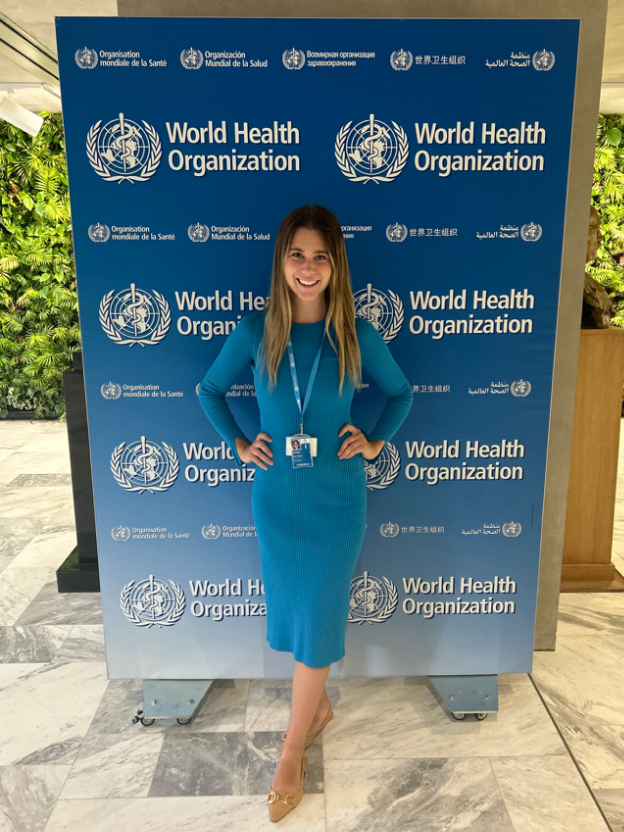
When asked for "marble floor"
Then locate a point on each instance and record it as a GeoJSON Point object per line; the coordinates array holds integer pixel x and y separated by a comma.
{"type": "Point", "coordinates": [551, 759]}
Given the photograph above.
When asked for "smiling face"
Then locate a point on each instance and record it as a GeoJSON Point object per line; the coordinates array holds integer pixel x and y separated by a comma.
{"type": "Point", "coordinates": [307, 268]}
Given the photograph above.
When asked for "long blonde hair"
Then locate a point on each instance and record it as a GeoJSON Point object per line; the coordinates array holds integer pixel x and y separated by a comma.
{"type": "Point", "coordinates": [339, 295]}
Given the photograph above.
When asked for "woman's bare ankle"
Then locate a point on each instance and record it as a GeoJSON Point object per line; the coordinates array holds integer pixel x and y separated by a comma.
{"type": "Point", "coordinates": [324, 704]}
{"type": "Point", "coordinates": [293, 747]}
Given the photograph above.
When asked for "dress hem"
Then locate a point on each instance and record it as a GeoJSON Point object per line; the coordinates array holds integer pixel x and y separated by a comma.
{"type": "Point", "coordinates": [297, 659]}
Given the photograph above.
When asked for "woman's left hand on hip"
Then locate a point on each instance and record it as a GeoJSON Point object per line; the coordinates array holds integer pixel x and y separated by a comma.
{"type": "Point", "coordinates": [357, 443]}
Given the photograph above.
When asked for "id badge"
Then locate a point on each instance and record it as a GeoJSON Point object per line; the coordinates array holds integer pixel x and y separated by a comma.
{"type": "Point", "coordinates": [300, 446]}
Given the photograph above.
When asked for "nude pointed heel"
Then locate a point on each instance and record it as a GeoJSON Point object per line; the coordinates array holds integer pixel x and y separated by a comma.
{"type": "Point", "coordinates": [310, 737]}
{"type": "Point", "coordinates": [281, 804]}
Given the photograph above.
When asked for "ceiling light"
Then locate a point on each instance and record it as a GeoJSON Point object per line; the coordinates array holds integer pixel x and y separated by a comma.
{"type": "Point", "coordinates": [19, 116]}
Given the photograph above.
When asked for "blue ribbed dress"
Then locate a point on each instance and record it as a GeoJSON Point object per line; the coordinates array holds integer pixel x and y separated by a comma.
{"type": "Point", "coordinates": [310, 522]}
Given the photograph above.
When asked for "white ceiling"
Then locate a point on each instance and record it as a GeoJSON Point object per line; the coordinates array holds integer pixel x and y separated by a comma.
{"type": "Point", "coordinates": [37, 18]}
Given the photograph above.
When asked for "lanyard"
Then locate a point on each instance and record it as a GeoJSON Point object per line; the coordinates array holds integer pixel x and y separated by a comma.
{"type": "Point", "coordinates": [293, 372]}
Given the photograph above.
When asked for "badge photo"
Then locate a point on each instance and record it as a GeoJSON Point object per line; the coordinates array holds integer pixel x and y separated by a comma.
{"type": "Point", "coordinates": [313, 444]}
{"type": "Point", "coordinates": [301, 448]}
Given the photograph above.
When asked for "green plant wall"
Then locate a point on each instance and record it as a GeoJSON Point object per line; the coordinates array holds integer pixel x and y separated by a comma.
{"type": "Point", "coordinates": [608, 198]}
{"type": "Point", "coordinates": [38, 304]}
{"type": "Point", "coordinates": [39, 329]}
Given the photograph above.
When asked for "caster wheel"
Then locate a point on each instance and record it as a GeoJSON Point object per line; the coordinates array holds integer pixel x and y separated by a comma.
{"type": "Point", "coordinates": [146, 721]}
{"type": "Point", "coordinates": [480, 716]}
{"type": "Point", "coordinates": [458, 715]}
{"type": "Point", "coordinates": [185, 721]}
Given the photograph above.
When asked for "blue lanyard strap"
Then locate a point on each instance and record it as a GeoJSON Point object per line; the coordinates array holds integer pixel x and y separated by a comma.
{"type": "Point", "coordinates": [295, 381]}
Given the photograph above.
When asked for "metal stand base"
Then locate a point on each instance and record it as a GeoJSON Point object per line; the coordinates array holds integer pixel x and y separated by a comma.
{"type": "Point", "coordinates": [167, 698]}
{"type": "Point", "coordinates": [476, 695]}
{"type": "Point", "coordinates": [182, 698]}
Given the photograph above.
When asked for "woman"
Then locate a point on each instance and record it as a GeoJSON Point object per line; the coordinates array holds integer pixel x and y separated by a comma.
{"type": "Point", "coordinates": [309, 490]}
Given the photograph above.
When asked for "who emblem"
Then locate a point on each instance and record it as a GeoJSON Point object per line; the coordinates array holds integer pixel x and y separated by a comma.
{"type": "Point", "coordinates": [151, 602]}
{"type": "Point", "coordinates": [373, 600]}
{"type": "Point", "coordinates": [145, 466]}
{"type": "Point", "coordinates": [99, 233]}
{"type": "Point", "coordinates": [198, 233]}
{"type": "Point", "coordinates": [384, 311]}
{"type": "Point", "coordinates": [211, 531]}
{"type": "Point", "coordinates": [135, 316]}
{"type": "Point", "coordinates": [293, 59]}
{"type": "Point", "coordinates": [191, 58]}
{"type": "Point", "coordinates": [389, 529]}
{"type": "Point", "coordinates": [396, 233]}
{"type": "Point", "coordinates": [371, 151]}
{"type": "Point", "coordinates": [122, 150]}
{"type": "Point", "coordinates": [86, 58]}
{"type": "Point", "coordinates": [121, 534]}
{"type": "Point", "coordinates": [512, 529]}
{"type": "Point", "coordinates": [401, 60]}
{"type": "Point", "coordinates": [110, 390]}
{"type": "Point", "coordinates": [543, 60]}
{"type": "Point", "coordinates": [531, 232]}
{"type": "Point", "coordinates": [520, 388]}
{"type": "Point", "coordinates": [383, 471]}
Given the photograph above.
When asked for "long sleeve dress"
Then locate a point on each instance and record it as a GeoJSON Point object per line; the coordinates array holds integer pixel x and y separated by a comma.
{"type": "Point", "coordinates": [310, 522]}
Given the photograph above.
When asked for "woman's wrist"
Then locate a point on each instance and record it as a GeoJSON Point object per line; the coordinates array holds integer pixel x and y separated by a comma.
{"type": "Point", "coordinates": [241, 446]}
{"type": "Point", "coordinates": [377, 445]}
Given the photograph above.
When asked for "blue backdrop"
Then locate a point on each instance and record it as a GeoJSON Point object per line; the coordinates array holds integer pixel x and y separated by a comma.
{"type": "Point", "coordinates": [442, 146]}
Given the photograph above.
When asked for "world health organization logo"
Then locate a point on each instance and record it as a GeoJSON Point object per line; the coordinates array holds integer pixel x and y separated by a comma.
{"type": "Point", "coordinates": [152, 602]}
{"type": "Point", "coordinates": [198, 233]}
{"type": "Point", "coordinates": [293, 59]}
{"type": "Point", "coordinates": [396, 233]}
{"type": "Point", "coordinates": [384, 311]}
{"type": "Point", "coordinates": [373, 600]}
{"type": "Point", "coordinates": [145, 466]}
{"type": "Point", "coordinates": [543, 60]}
{"type": "Point", "coordinates": [135, 316]}
{"type": "Point", "coordinates": [99, 233]}
{"type": "Point", "coordinates": [122, 150]}
{"type": "Point", "coordinates": [191, 58]}
{"type": "Point", "coordinates": [520, 388]}
{"type": "Point", "coordinates": [371, 151]}
{"type": "Point", "coordinates": [211, 532]}
{"type": "Point", "coordinates": [384, 470]}
{"type": "Point", "coordinates": [110, 390]}
{"type": "Point", "coordinates": [86, 58]}
{"type": "Point", "coordinates": [401, 60]}
{"type": "Point", "coordinates": [389, 529]}
{"type": "Point", "coordinates": [531, 232]}
{"type": "Point", "coordinates": [512, 529]}
{"type": "Point", "coordinates": [121, 534]}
